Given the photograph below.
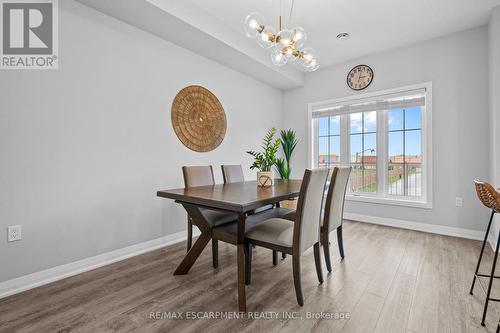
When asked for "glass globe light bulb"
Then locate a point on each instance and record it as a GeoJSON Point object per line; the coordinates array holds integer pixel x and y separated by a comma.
{"type": "Point", "coordinates": [278, 58]}
{"type": "Point", "coordinates": [266, 37]}
{"type": "Point", "coordinates": [288, 52]}
{"type": "Point", "coordinates": [313, 65]}
{"type": "Point", "coordinates": [299, 36]}
{"type": "Point", "coordinates": [254, 24]}
{"type": "Point", "coordinates": [309, 59]}
{"type": "Point", "coordinates": [284, 38]}
{"type": "Point", "coordinates": [307, 54]}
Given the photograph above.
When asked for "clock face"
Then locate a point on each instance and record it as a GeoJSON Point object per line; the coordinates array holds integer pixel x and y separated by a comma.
{"type": "Point", "coordinates": [360, 77]}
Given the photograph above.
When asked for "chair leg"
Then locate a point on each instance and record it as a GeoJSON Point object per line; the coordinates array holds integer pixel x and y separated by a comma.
{"type": "Point", "coordinates": [248, 263]}
{"type": "Point", "coordinates": [482, 250]}
{"type": "Point", "coordinates": [340, 240]}
{"type": "Point", "coordinates": [317, 262]}
{"type": "Point", "coordinates": [326, 250]}
{"type": "Point", "coordinates": [296, 278]}
{"type": "Point", "coordinates": [491, 280]}
{"type": "Point", "coordinates": [275, 257]}
{"type": "Point", "coordinates": [215, 253]}
{"type": "Point", "coordinates": [190, 234]}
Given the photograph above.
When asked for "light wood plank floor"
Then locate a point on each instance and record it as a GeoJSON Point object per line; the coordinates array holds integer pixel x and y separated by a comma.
{"type": "Point", "coordinates": [392, 280]}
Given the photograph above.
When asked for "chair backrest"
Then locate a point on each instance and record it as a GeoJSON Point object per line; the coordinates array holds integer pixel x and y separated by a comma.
{"type": "Point", "coordinates": [307, 218]}
{"type": "Point", "coordinates": [334, 205]}
{"type": "Point", "coordinates": [232, 174]}
{"type": "Point", "coordinates": [198, 175]}
{"type": "Point", "coordinates": [488, 195]}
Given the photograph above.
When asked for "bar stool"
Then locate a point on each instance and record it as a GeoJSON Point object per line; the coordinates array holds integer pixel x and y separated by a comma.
{"type": "Point", "coordinates": [491, 199]}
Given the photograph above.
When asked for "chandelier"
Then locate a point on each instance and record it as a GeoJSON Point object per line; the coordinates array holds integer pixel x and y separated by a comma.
{"type": "Point", "coordinates": [286, 45]}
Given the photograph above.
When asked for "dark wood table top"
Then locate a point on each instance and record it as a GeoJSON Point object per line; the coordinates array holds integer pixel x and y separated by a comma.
{"type": "Point", "coordinates": [236, 197]}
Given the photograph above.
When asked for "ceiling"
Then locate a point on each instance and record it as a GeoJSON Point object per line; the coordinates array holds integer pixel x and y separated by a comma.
{"type": "Point", "coordinates": [374, 25]}
{"type": "Point", "coordinates": [214, 28]}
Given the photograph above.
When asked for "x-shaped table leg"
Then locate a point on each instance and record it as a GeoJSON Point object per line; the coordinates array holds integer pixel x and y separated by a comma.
{"type": "Point", "coordinates": [201, 242]}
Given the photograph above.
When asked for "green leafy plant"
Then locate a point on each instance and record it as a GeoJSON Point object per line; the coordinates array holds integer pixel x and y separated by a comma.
{"type": "Point", "coordinates": [264, 160]}
{"type": "Point", "coordinates": [288, 143]}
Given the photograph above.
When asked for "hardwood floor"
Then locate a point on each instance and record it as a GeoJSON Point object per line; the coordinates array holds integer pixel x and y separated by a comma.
{"type": "Point", "coordinates": [392, 280]}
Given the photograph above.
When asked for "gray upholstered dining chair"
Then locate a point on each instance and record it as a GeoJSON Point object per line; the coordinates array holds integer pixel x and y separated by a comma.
{"type": "Point", "coordinates": [293, 237]}
{"type": "Point", "coordinates": [234, 174]}
{"type": "Point", "coordinates": [333, 214]}
{"type": "Point", "coordinates": [203, 176]}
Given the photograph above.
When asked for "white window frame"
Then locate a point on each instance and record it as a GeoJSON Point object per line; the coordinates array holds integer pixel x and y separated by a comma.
{"type": "Point", "coordinates": [382, 147]}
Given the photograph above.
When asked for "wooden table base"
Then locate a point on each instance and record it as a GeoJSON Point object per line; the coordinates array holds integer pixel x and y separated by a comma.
{"type": "Point", "coordinates": [193, 254]}
{"type": "Point", "coordinates": [206, 234]}
{"type": "Point", "coordinates": [241, 198]}
{"type": "Point", "coordinates": [200, 244]}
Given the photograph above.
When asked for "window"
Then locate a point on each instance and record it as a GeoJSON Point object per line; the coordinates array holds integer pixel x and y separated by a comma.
{"type": "Point", "coordinates": [384, 137]}
{"type": "Point", "coordinates": [329, 142]}
{"type": "Point", "coordinates": [405, 152]}
{"type": "Point", "coordinates": [363, 147]}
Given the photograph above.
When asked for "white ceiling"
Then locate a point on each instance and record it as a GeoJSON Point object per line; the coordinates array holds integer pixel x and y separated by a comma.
{"type": "Point", "coordinates": [214, 28]}
{"type": "Point", "coordinates": [374, 25]}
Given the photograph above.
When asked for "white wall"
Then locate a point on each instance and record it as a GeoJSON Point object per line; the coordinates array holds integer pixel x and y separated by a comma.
{"type": "Point", "coordinates": [457, 65]}
{"type": "Point", "coordinates": [494, 40]}
{"type": "Point", "coordinates": [85, 148]}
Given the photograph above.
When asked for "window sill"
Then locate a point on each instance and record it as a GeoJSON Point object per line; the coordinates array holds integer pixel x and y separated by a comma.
{"type": "Point", "coordinates": [389, 201]}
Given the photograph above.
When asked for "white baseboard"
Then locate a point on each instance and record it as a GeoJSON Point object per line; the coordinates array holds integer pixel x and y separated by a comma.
{"type": "Point", "coordinates": [425, 227]}
{"type": "Point", "coordinates": [30, 281]}
{"type": "Point", "coordinates": [494, 230]}
{"type": "Point", "coordinates": [492, 241]}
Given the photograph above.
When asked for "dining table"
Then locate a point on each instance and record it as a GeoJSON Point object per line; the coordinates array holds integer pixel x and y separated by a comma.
{"type": "Point", "coordinates": [242, 199]}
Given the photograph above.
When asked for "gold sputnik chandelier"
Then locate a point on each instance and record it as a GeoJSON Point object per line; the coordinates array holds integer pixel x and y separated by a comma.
{"type": "Point", "coordinates": [286, 45]}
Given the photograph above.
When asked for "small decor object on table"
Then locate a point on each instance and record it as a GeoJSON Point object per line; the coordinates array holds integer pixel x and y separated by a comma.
{"type": "Point", "coordinates": [265, 178]}
{"type": "Point", "coordinates": [265, 160]}
{"type": "Point", "coordinates": [198, 119]}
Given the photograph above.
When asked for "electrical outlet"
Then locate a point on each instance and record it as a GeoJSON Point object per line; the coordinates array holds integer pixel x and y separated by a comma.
{"type": "Point", "coordinates": [14, 233]}
{"type": "Point", "coordinates": [459, 202]}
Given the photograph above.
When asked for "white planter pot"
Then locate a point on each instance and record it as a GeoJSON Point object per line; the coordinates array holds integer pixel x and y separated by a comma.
{"type": "Point", "coordinates": [265, 178]}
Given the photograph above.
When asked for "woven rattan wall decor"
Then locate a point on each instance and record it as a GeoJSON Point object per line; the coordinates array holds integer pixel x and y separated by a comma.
{"type": "Point", "coordinates": [198, 119]}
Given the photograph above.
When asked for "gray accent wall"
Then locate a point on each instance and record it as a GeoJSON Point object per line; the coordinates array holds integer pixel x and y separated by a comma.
{"type": "Point", "coordinates": [457, 66]}
{"type": "Point", "coordinates": [85, 148]}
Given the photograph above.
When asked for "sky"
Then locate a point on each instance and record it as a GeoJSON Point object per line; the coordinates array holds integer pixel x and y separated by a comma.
{"type": "Point", "coordinates": [409, 118]}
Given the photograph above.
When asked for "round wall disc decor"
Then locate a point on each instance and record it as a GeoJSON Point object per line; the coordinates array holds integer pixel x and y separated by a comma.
{"type": "Point", "coordinates": [198, 119]}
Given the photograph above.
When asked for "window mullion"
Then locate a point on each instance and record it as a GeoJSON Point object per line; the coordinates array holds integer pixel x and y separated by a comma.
{"type": "Point", "coordinates": [405, 166]}
{"type": "Point", "coordinates": [382, 155]}
{"type": "Point", "coordinates": [315, 162]}
{"type": "Point", "coordinates": [329, 157]}
{"type": "Point", "coordinates": [344, 140]}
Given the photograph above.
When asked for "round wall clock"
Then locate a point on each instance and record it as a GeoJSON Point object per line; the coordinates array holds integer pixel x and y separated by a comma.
{"type": "Point", "coordinates": [198, 119]}
{"type": "Point", "coordinates": [360, 77]}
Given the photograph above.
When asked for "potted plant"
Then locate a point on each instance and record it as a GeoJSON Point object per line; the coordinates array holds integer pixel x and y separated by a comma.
{"type": "Point", "coordinates": [266, 159]}
{"type": "Point", "coordinates": [288, 143]}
